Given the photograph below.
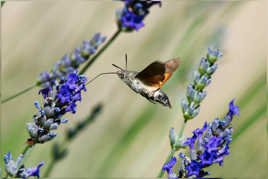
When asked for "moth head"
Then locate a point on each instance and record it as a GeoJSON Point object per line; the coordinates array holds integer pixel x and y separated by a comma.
{"type": "Point", "coordinates": [121, 72]}
{"type": "Point", "coordinates": [162, 98]}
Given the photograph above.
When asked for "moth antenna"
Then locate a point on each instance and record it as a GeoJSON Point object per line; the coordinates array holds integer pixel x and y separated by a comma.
{"type": "Point", "coordinates": [126, 61]}
{"type": "Point", "coordinates": [99, 76]}
{"type": "Point", "coordinates": [118, 67]}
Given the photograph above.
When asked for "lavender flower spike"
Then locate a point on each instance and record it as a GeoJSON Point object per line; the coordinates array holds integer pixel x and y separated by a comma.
{"type": "Point", "coordinates": [59, 98]}
{"type": "Point", "coordinates": [71, 62]}
{"type": "Point", "coordinates": [208, 145]}
{"type": "Point", "coordinates": [134, 12]}
{"type": "Point", "coordinates": [14, 169]}
{"type": "Point", "coordinates": [202, 78]}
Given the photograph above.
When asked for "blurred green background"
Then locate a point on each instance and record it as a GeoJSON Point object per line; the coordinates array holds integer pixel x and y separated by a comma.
{"type": "Point", "coordinates": [130, 136]}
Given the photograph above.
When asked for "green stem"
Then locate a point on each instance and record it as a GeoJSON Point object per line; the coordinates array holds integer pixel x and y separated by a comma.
{"type": "Point", "coordinates": [26, 149]}
{"type": "Point", "coordinates": [94, 58]}
{"type": "Point", "coordinates": [18, 94]}
{"type": "Point", "coordinates": [182, 129]}
{"type": "Point", "coordinates": [173, 150]}
{"type": "Point", "coordinates": [26, 153]}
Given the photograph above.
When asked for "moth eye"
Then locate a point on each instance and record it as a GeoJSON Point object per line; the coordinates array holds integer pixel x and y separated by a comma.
{"type": "Point", "coordinates": [120, 75]}
{"type": "Point", "coordinates": [163, 98]}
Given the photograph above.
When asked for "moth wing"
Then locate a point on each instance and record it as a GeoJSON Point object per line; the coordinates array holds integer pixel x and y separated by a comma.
{"type": "Point", "coordinates": [157, 73]}
{"type": "Point", "coordinates": [152, 74]}
{"type": "Point", "coordinates": [172, 65]}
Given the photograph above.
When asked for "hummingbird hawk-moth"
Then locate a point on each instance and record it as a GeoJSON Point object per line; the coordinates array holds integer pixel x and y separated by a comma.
{"type": "Point", "coordinates": [148, 81]}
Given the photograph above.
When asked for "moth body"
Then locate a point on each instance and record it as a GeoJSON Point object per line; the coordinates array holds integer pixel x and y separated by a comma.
{"type": "Point", "coordinates": [152, 93]}
{"type": "Point", "coordinates": [148, 81]}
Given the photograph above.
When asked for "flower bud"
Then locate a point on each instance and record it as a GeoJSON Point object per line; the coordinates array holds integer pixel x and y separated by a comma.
{"type": "Point", "coordinates": [32, 129]}
{"type": "Point", "coordinates": [172, 136]}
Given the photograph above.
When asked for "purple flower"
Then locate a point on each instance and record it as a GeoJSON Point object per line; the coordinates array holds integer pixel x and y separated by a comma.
{"type": "Point", "coordinates": [195, 168]}
{"type": "Point", "coordinates": [69, 63]}
{"type": "Point", "coordinates": [71, 107]}
{"type": "Point", "coordinates": [14, 169]}
{"type": "Point", "coordinates": [208, 145]}
{"type": "Point", "coordinates": [70, 92]}
{"type": "Point", "coordinates": [77, 56]}
{"type": "Point", "coordinates": [58, 100]}
{"type": "Point", "coordinates": [64, 94]}
{"type": "Point", "coordinates": [233, 110]}
{"type": "Point", "coordinates": [45, 91]}
{"type": "Point", "coordinates": [131, 20]}
{"type": "Point", "coordinates": [11, 166]}
{"type": "Point", "coordinates": [213, 54]}
{"type": "Point", "coordinates": [44, 76]}
{"type": "Point", "coordinates": [34, 171]}
{"type": "Point", "coordinates": [46, 79]}
{"type": "Point", "coordinates": [7, 158]}
{"type": "Point", "coordinates": [169, 166]}
{"type": "Point", "coordinates": [132, 15]}
{"type": "Point", "coordinates": [96, 41]}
